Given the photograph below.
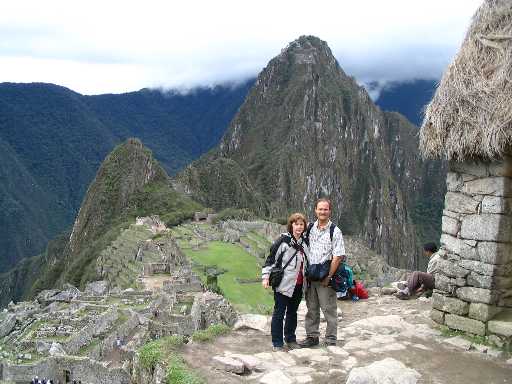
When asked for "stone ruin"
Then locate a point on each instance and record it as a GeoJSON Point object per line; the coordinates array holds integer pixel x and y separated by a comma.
{"type": "Point", "coordinates": [473, 291]}
{"type": "Point", "coordinates": [67, 334]}
{"type": "Point", "coordinates": [200, 216]}
{"type": "Point", "coordinates": [152, 222]}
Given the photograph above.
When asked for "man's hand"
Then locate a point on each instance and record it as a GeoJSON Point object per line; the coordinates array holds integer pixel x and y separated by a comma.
{"type": "Point", "coordinates": [264, 283]}
{"type": "Point", "coordinates": [325, 281]}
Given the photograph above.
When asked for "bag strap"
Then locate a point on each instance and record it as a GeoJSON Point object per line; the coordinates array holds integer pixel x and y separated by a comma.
{"type": "Point", "coordinates": [289, 260]}
{"type": "Point", "coordinates": [331, 231]}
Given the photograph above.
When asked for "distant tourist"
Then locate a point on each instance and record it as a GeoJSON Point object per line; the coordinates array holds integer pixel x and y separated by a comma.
{"type": "Point", "coordinates": [419, 282]}
{"type": "Point", "coordinates": [284, 271]}
{"type": "Point", "coordinates": [326, 252]}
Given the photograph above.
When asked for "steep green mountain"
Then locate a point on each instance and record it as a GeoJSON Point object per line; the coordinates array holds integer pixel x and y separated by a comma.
{"type": "Point", "coordinates": [129, 183]}
{"type": "Point", "coordinates": [52, 141]}
{"type": "Point", "coordinates": [307, 130]}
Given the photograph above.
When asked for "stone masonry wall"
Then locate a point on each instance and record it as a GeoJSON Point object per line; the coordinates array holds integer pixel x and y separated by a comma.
{"type": "Point", "coordinates": [475, 282]}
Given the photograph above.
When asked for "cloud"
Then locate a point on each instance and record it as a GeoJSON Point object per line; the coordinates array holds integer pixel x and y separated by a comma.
{"type": "Point", "coordinates": [118, 46]}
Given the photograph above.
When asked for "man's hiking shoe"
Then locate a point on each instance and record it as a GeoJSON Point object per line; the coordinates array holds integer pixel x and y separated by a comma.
{"type": "Point", "coordinates": [330, 343]}
{"type": "Point", "coordinates": [280, 349]}
{"type": "Point", "coordinates": [292, 345]}
{"type": "Point", "coordinates": [309, 342]}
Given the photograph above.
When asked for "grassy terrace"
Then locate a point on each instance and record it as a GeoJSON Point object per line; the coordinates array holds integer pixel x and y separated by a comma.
{"type": "Point", "coordinates": [249, 298]}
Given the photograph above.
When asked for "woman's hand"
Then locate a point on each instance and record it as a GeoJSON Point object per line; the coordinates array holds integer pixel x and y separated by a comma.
{"type": "Point", "coordinates": [264, 283]}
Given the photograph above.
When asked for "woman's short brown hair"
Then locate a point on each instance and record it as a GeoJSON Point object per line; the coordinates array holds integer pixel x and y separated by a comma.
{"type": "Point", "coordinates": [294, 217]}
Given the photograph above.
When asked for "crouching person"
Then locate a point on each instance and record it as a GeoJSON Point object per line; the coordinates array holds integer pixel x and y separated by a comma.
{"type": "Point", "coordinates": [284, 272]}
{"type": "Point", "coordinates": [419, 282]}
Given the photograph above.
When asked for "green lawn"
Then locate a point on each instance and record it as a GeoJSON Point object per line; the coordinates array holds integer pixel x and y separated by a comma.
{"type": "Point", "coordinates": [248, 298]}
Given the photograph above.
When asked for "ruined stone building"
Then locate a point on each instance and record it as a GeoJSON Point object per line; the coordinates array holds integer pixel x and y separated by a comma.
{"type": "Point", "coordinates": [469, 123]}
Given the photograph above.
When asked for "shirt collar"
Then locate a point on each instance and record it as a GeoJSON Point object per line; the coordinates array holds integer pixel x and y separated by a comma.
{"type": "Point", "coordinates": [326, 226]}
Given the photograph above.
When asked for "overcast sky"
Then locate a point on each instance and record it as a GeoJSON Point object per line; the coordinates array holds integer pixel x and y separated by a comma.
{"type": "Point", "coordinates": [106, 46]}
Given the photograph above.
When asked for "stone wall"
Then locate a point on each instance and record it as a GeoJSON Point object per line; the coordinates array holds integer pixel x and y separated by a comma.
{"type": "Point", "coordinates": [80, 368]}
{"type": "Point", "coordinates": [150, 269]}
{"type": "Point", "coordinates": [475, 282]}
{"type": "Point", "coordinates": [85, 335]}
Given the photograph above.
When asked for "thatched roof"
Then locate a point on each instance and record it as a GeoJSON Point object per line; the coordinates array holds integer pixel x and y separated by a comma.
{"type": "Point", "coordinates": [470, 115]}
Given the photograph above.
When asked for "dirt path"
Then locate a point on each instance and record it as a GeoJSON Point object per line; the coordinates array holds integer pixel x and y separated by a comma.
{"type": "Point", "coordinates": [369, 331]}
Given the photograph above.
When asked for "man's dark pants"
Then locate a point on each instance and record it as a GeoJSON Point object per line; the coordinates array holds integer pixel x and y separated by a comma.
{"type": "Point", "coordinates": [285, 306]}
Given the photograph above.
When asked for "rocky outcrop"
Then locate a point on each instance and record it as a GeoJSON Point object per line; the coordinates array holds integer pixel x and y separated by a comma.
{"type": "Point", "coordinates": [387, 371]}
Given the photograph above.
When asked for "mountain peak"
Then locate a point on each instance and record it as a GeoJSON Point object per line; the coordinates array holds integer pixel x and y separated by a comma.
{"type": "Point", "coordinates": [308, 50]}
{"type": "Point", "coordinates": [125, 171]}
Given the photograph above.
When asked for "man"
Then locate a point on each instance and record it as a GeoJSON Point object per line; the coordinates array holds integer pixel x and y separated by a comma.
{"type": "Point", "coordinates": [419, 282]}
{"type": "Point", "coordinates": [318, 294]}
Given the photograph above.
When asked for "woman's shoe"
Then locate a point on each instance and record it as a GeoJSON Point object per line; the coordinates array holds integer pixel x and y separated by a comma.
{"type": "Point", "coordinates": [279, 349]}
{"type": "Point", "coordinates": [292, 345]}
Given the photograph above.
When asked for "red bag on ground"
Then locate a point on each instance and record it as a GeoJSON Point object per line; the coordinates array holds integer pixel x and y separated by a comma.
{"type": "Point", "coordinates": [359, 290]}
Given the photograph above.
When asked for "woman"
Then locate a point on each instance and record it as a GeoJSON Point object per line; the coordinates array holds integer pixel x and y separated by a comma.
{"type": "Point", "coordinates": [291, 251]}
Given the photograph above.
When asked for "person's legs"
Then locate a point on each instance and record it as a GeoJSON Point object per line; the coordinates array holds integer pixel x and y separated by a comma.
{"type": "Point", "coordinates": [276, 328]}
{"type": "Point", "coordinates": [413, 282]}
{"type": "Point", "coordinates": [312, 322]}
{"type": "Point", "coordinates": [290, 324]}
{"type": "Point", "coordinates": [426, 279]}
{"type": "Point", "coordinates": [327, 301]}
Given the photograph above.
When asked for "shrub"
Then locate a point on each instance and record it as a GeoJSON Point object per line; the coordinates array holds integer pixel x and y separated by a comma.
{"type": "Point", "coordinates": [150, 354]}
{"type": "Point", "coordinates": [179, 373]}
{"type": "Point", "coordinates": [211, 332]}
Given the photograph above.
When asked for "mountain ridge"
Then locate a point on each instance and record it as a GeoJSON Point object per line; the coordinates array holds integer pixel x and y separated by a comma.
{"type": "Point", "coordinates": [56, 139]}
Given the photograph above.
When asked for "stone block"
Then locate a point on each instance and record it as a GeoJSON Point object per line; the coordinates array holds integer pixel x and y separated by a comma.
{"type": "Point", "coordinates": [450, 225]}
{"type": "Point", "coordinates": [458, 246]}
{"type": "Point", "coordinates": [471, 243]}
{"type": "Point", "coordinates": [445, 284]}
{"type": "Point", "coordinates": [480, 281]}
{"type": "Point", "coordinates": [459, 202]}
{"type": "Point", "coordinates": [453, 215]}
{"type": "Point", "coordinates": [496, 340]}
{"type": "Point", "coordinates": [483, 312]}
{"type": "Point", "coordinates": [501, 168]}
{"type": "Point", "coordinates": [465, 324]}
{"type": "Point", "coordinates": [501, 324]}
{"type": "Point", "coordinates": [451, 269]}
{"type": "Point", "coordinates": [495, 186]}
{"type": "Point", "coordinates": [496, 204]}
{"type": "Point", "coordinates": [461, 282]}
{"type": "Point", "coordinates": [487, 227]}
{"type": "Point", "coordinates": [437, 316]}
{"type": "Point", "coordinates": [454, 182]}
{"type": "Point", "coordinates": [478, 267]}
{"type": "Point", "coordinates": [494, 253]}
{"type": "Point", "coordinates": [229, 364]}
{"type": "Point", "coordinates": [478, 169]}
{"type": "Point", "coordinates": [450, 304]}
{"type": "Point", "coordinates": [476, 295]}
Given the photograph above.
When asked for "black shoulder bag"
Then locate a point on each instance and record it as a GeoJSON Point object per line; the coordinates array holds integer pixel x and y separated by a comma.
{"type": "Point", "coordinates": [277, 272]}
